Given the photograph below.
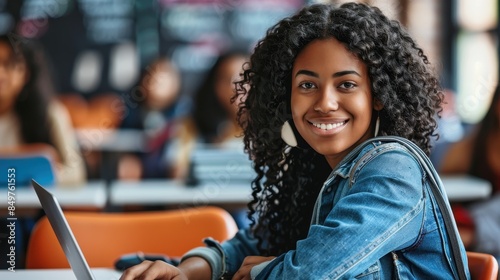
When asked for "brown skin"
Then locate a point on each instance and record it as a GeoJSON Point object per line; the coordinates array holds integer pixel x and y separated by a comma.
{"type": "Point", "coordinates": [244, 272]}
{"type": "Point", "coordinates": [336, 94]}
{"type": "Point", "coordinates": [13, 77]}
{"type": "Point", "coordinates": [161, 85]}
{"type": "Point", "coordinates": [192, 268]}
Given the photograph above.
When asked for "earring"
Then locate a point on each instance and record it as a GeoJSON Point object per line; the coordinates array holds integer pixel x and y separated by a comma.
{"type": "Point", "coordinates": [287, 135]}
{"type": "Point", "coordinates": [377, 125]}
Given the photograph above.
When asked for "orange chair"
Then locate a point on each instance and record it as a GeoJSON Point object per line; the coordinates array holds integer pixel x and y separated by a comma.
{"type": "Point", "coordinates": [104, 111]}
{"type": "Point", "coordinates": [482, 266]}
{"type": "Point", "coordinates": [104, 237]}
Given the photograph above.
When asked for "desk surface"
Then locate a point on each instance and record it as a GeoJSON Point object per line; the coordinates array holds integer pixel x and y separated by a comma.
{"type": "Point", "coordinates": [149, 192]}
{"type": "Point", "coordinates": [91, 194]}
{"type": "Point", "coordinates": [111, 140]}
{"type": "Point", "coordinates": [59, 274]}
{"type": "Point", "coordinates": [465, 188]}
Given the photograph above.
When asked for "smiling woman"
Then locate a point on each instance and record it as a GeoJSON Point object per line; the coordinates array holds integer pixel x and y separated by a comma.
{"type": "Point", "coordinates": [340, 204]}
{"type": "Point", "coordinates": [330, 100]}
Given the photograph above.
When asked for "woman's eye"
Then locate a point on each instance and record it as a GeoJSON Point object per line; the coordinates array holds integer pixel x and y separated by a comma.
{"type": "Point", "coordinates": [348, 85]}
{"type": "Point", "coordinates": [307, 85]}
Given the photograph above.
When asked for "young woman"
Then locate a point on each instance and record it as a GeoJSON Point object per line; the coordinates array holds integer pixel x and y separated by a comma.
{"type": "Point", "coordinates": [214, 115]}
{"type": "Point", "coordinates": [29, 112]}
{"type": "Point", "coordinates": [325, 81]}
{"type": "Point", "coordinates": [156, 108]}
{"type": "Point", "coordinates": [212, 122]}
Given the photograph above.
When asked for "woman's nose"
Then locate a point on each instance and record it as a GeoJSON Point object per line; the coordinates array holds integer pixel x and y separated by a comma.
{"type": "Point", "coordinates": [327, 101]}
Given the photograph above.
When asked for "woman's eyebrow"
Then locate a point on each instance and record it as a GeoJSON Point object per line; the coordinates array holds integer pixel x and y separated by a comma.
{"type": "Point", "coordinates": [347, 72]}
{"type": "Point", "coordinates": [307, 72]}
{"type": "Point", "coordinates": [337, 74]}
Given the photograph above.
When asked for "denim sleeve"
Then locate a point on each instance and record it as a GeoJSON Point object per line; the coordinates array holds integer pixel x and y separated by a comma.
{"type": "Point", "coordinates": [226, 258]}
{"type": "Point", "coordinates": [381, 212]}
{"type": "Point", "coordinates": [243, 244]}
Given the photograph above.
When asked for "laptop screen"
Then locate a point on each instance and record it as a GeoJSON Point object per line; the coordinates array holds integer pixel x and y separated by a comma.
{"type": "Point", "coordinates": [63, 232]}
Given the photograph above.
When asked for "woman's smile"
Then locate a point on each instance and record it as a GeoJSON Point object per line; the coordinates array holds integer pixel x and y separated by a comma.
{"type": "Point", "coordinates": [328, 127]}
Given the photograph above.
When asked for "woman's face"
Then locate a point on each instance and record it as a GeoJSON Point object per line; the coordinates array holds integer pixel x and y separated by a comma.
{"type": "Point", "coordinates": [162, 85]}
{"type": "Point", "coordinates": [12, 77]}
{"type": "Point", "coordinates": [228, 72]}
{"type": "Point", "coordinates": [331, 99]}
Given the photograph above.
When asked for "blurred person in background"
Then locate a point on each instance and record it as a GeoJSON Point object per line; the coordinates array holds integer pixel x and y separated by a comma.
{"type": "Point", "coordinates": [29, 111]}
{"type": "Point", "coordinates": [478, 154]}
{"type": "Point", "coordinates": [214, 116]}
{"type": "Point", "coordinates": [155, 107]}
{"type": "Point", "coordinates": [32, 119]}
{"type": "Point", "coordinates": [213, 122]}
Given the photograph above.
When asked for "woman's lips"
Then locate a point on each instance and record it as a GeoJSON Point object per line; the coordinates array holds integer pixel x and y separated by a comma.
{"type": "Point", "coordinates": [328, 127]}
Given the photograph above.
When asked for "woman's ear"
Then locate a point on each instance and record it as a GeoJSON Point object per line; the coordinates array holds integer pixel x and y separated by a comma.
{"type": "Point", "coordinates": [377, 105]}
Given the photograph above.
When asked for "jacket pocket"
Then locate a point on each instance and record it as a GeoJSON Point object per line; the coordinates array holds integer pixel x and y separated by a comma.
{"type": "Point", "coordinates": [372, 273]}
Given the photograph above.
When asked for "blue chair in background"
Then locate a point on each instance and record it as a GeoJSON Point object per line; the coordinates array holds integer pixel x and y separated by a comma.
{"type": "Point", "coordinates": [22, 163]}
{"type": "Point", "coordinates": [28, 161]}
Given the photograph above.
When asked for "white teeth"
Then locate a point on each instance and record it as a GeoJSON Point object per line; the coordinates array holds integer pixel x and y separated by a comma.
{"type": "Point", "coordinates": [328, 126]}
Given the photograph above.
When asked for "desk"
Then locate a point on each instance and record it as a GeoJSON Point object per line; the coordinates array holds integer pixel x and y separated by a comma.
{"type": "Point", "coordinates": [92, 194]}
{"type": "Point", "coordinates": [465, 188]}
{"type": "Point", "coordinates": [151, 192]}
{"type": "Point", "coordinates": [59, 274]}
{"type": "Point", "coordinates": [155, 192]}
{"type": "Point", "coordinates": [111, 140]}
{"type": "Point", "coordinates": [110, 143]}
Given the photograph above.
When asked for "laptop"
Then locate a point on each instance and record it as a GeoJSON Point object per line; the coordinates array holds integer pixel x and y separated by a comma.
{"type": "Point", "coordinates": [67, 240]}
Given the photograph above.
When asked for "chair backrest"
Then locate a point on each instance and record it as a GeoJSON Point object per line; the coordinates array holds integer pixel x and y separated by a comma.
{"type": "Point", "coordinates": [94, 113]}
{"type": "Point", "coordinates": [482, 266]}
{"type": "Point", "coordinates": [29, 161]}
{"type": "Point", "coordinates": [104, 237]}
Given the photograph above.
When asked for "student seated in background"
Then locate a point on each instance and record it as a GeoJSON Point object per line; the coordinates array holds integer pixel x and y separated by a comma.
{"type": "Point", "coordinates": [155, 108]}
{"type": "Point", "coordinates": [478, 154]}
{"type": "Point", "coordinates": [213, 120]}
{"type": "Point", "coordinates": [213, 114]}
{"type": "Point", "coordinates": [213, 125]}
{"type": "Point", "coordinates": [29, 112]}
{"type": "Point", "coordinates": [318, 85]}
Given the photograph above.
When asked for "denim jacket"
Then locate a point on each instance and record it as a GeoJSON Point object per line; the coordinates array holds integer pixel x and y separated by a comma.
{"type": "Point", "coordinates": [375, 218]}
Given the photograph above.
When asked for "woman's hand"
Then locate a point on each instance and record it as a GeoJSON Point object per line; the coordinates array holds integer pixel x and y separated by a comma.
{"type": "Point", "coordinates": [148, 270]}
{"type": "Point", "coordinates": [247, 265]}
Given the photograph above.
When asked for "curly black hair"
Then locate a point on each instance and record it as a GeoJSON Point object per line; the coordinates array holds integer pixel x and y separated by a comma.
{"type": "Point", "coordinates": [289, 179]}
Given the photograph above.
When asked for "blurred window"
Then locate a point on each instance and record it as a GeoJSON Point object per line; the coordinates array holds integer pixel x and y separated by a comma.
{"type": "Point", "coordinates": [476, 57]}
